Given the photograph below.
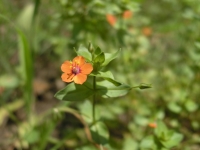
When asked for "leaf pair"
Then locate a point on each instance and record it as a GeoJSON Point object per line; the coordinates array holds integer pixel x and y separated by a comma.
{"type": "Point", "coordinates": [106, 89]}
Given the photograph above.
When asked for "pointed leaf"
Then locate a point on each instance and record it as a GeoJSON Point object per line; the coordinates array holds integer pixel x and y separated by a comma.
{"type": "Point", "coordinates": [109, 57]}
{"type": "Point", "coordinates": [100, 58]}
{"type": "Point", "coordinates": [107, 89]}
{"type": "Point", "coordinates": [26, 64]}
{"type": "Point", "coordinates": [108, 76]}
{"type": "Point", "coordinates": [82, 51]}
{"type": "Point", "coordinates": [98, 61]}
{"type": "Point", "coordinates": [25, 18]}
{"type": "Point", "coordinates": [73, 92]}
{"type": "Point", "coordinates": [144, 86]}
{"type": "Point", "coordinates": [97, 51]}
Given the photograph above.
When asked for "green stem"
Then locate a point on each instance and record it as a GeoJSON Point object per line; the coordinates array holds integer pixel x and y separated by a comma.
{"type": "Point", "coordinates": [101, 147]}
{"type": "Point", "coordinates": [94, 99]}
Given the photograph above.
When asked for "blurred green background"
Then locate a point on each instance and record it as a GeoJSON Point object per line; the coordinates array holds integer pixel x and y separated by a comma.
{"type": "Point", "coordinates": [160, 42]}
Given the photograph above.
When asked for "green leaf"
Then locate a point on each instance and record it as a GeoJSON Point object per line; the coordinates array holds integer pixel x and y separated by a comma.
{"type": "Point", "coordinates": [36, 8]}
{"type": "Point", "coordinates": [197, 44]}
{"type": "Point", "coordinates": [107, 89]}
{"type": "Point", "coordinates": [108, 76]}
{"type": "Point", "coordinates": [26, 64]}
{"type": "Point", "coordinates": [174, 140]}
{"type": "Point", "coordinates": [147, 142]}
{"type": "Point", "coordinates": [98, 61]}
{"type": "Point", "coordinates": [73, 92]}
{"type": "Point", "coordinates": [191, 106]}
{"type": "Point", "coordinates": [32, 136]}
{"type": "Point", "coordinates": [25, 58]}
{"type": "Point", "coordinates": [109, 57]}
{"type": "Point", "coordinates": [8, 81]}
{"type": "Point", "coordinates": [25, 18]}
{"type": "Point", "coordinates": [161, 130]}
{"type": "Point", "coordinates": [100, 58]}
{"type": "Point", "coordinates": [144, 86]}
{"type": "Point", "coordinates": [97, 51]}
{"type": "Point", "coordinates": [100, 133]}
{"type": "Point", "coordinates": [82, 51]}
{"type": "Point", "coordinates": [87, 147]}
{"type": "Point", "coordinates": [174, 107]}
{"type": "Point", "coordinates": [129, 144]}
{"type": "Point", "coordinates": [141, 120]}
{"type": "Point", "coordinates": [167, 138]}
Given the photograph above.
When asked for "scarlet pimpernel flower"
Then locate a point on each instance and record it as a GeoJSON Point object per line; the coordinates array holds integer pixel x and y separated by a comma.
{"type": "Point", "coordinates": [76, 70]}
{"type": "Point", "coordinates": [152, 125]}
{"type": "Point", "coordinates": [111, 19]}
{"type": "Point", "coordinates": [127, 14]}
{"type": "Point", "coordinates": [147, 31]}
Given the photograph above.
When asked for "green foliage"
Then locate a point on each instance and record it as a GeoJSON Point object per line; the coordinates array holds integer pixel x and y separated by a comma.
{"type": "Point", "coordinates": [167, 138]}
{"type": "Point", "coordinates": [162, 139]}
{"type": "Point", "coordinates": [26, 68]}
{"type": "Point", "coordinates": [107, 76]}
{"type": "Point", "coordinates": [109, 90]}
{"type": "Point", "coordinates": [74, 92]}
{"type": "Point", "coordinates": [82, 51]}
{"type": "Point", "coordinates": [100, 133]}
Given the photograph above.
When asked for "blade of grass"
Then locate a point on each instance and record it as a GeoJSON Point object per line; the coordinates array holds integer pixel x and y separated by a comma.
{"type": "Point", "coordinates": [26, 64]}
{"type": "Point", "coordinates": [36, 9]}
{"type": "Point", "coordinates": [26, 68]}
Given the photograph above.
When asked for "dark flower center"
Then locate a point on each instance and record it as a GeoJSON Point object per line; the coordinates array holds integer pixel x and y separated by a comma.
{"type": "Point", "coordinates": [76, 70]}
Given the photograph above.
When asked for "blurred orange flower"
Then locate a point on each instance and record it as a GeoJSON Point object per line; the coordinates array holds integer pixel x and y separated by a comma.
{"type": "Point", "coordinates": [1, 90]}
{"type": "Point", "coordinates": [127, 14]}
{"type": "Point", "coordinates": [76, 71]}
{"type": "Point", "coordinates": [147, 31]}
{"type": "Point", "coordinates": [111, 19]}
{"type": "Point", "coordinates": [152, 125]}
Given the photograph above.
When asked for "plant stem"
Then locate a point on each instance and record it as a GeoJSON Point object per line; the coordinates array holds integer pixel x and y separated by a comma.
{"type": "Point", "coordinates": [94, 99]}
{"type": "Point", "coordinates": [101, 147]}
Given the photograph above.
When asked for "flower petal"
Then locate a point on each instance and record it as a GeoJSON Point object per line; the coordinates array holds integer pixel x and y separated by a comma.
{"type": "Point", "coordinates": [80, 78]}
{"type": "Point", "coordinates": [79, 60]}
{"type": "Point", "coordinates": [86, 68]}
{"type": "Point", "coordinates": [67, 67]}
{"type": "Point", "coordinates": [67, 77]}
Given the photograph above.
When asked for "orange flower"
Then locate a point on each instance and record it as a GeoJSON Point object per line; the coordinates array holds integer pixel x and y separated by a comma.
{"type": "Point", "coordinates": [127, 14]}
{"type": "Point", "coordinates": [147, 31]}
{"type": "Point", "coordinates": [76, 71]}
{"type": "Point", "coordinates": [1, 90]}
{"type": "Point", "coordinates": [111, 19]}
{"type": "Point", "coordinates": [152, 125]}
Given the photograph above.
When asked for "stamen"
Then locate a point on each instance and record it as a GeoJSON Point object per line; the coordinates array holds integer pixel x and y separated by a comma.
{"type": "Point", "coordinates": [76, 70]}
